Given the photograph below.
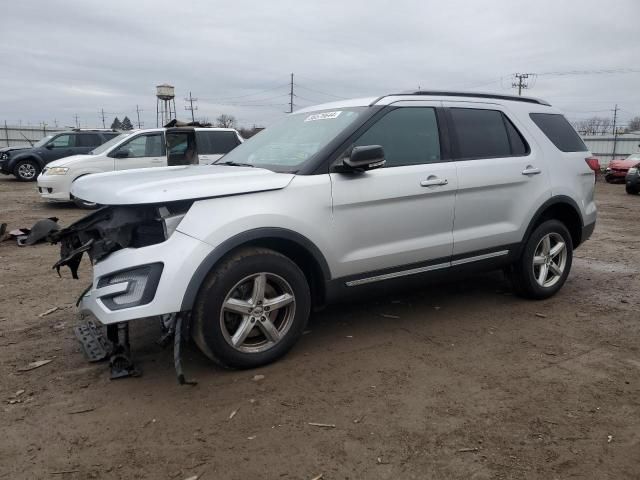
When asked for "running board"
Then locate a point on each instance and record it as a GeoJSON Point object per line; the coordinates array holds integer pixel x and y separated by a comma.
{"type": "Point", "coordinates": [428, 268]}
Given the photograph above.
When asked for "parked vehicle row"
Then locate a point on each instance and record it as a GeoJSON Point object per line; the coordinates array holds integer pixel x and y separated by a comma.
{"type": "Point", "coordinates": [617, 170]}
{"type": "Point", "coordinates": [27, 163]}
{"type": "Point", "coordinates": [632, 180]}
{"type": "Point", "coordinates": [156, 147]}
{"type": "Point", "coordinates": [332, 200]}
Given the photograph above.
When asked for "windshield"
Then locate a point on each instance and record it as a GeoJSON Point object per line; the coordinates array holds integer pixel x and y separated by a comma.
{"type": "Point", "coordinates": [42, 141]}
{"type": "Point", "coordinates": [107, 145]}
{"type": "Point", "coordinates": [634, 156]}
{"type": "Point", "coordinates": [285, 146]}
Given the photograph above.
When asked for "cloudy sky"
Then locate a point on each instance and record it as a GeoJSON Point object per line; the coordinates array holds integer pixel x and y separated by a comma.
{"type": "Point", "coordinates": [62, 58]}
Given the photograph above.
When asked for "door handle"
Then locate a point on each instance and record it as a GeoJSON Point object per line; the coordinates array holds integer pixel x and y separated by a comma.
{"type": "Point", "coordinates": [433, 182]}
{"type": "Point", "coordinates": [530, 170]}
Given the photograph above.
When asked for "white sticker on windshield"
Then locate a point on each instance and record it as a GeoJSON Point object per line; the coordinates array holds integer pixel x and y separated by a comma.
{"type": "Point", "coordinates": [322, 116]}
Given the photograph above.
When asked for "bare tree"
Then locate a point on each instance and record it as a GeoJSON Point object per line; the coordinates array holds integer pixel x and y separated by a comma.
{"type": "Point", "coordinates": [248, 132]}
{"type": "Point", "coordinates": [634, 125]}
{"type": "Point", "coordinates": [226, 121]}
{"type": "Point", "coordinates": [594, 126]}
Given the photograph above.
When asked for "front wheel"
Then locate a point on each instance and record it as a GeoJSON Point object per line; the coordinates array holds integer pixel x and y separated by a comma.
{"type": "Point", "coordinates": [545, 262]}
{"type": "Point", "coordinates": [631, 190]}
{"type": "Point", "coordinates": [26, 170]}
{"type": "Point", "coordinates": [251, 309]}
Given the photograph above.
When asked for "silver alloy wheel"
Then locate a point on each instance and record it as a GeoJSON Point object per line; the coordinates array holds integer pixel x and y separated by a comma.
{"type": "Point", "coordinates": [549, 260]}
{"type": "Point", "coordinates": [27, 171]}
{"type": "Point", "coordinates": [257, 312]}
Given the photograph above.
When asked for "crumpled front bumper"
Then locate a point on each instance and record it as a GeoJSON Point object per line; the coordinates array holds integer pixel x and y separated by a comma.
{"type": "Point", "coordinates": [179, 257]}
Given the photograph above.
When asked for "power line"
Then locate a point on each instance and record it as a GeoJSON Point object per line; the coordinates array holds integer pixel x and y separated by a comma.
{"type": "Point", "coordinates": [521, 82]}
{"type": "Point", "coordinates": [247, 95]}
{"type": "Point", "coordinates": [138, 110]}
{"type": "Point", "coordinates": [190, 99]}
{"type": "Point", "coordinates": [291, 95]}
{"type": "Point", "coordinates": [320, 92]}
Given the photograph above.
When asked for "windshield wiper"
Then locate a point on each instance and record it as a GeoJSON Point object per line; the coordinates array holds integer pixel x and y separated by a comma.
{"type": "Point", "coordinates": [235, 164]}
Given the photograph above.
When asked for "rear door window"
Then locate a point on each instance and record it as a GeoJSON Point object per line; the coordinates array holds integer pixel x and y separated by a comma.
{"type": "Point", "coordinates": [559, 131]}
{"type": "Point", "coordinates": [88, 140]}
{"type": "Point", "coordinates": [480, 134]}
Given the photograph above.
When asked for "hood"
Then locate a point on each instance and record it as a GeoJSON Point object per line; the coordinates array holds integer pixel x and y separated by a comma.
{"type": "Point", "coordinates": [12, 149]}
{"type": "Point", "coordinates": [170, 184]}
{"type": "Point", "coordinates": [66, 161]}
{"type": "Point", "coordinates": [622, 164]}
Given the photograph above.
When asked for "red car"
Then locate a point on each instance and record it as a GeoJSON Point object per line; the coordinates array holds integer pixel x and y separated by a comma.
{"type": "Point", "coordinates": [617, 170]}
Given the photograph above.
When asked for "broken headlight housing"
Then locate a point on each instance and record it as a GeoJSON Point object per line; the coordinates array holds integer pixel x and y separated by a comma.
{"type": "Point", "coordinates": [116, 227]}
{"type": "Point", "coordinates": [170, 220]}
{"type": "Point", "coordinates": [129, 288]}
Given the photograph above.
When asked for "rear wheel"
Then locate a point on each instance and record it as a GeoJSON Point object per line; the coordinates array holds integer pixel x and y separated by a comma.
{"type": "Point", "coordinates": [26, 170]}
{"type": "Point", "coordinates": [251, 309]}
{"type": "Point", "coordinates": [545, 262]}
{"type": "Point", "coordinates": [631, 190]}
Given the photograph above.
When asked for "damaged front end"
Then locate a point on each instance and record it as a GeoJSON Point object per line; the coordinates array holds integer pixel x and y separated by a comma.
{"type": "Point", "coordinates": [100, 234]}
{"type": "Point", "coordinates": [113, 228]}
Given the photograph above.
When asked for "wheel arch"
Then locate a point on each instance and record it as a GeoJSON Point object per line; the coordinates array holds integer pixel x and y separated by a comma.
{"type": "Point", "coordinates": [302, 251]}
{"type": "Point", "coordinates": [561, 208]}
{"type": "Point", "coordinates": [26, 156]}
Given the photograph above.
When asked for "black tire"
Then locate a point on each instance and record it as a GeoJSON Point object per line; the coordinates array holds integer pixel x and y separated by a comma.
{"type": "Point", "coordinates": [631, 190]}
{"type": "Point", "coordinates": [523, 273]}
{"type": "Point", "coordinates": [26, 170]}
{"type": "Point", "coordinates": [211, 325]}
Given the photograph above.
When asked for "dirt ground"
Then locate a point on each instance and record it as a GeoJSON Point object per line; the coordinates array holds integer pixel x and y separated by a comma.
{"type": "Point", "coordinates": [457, 381]}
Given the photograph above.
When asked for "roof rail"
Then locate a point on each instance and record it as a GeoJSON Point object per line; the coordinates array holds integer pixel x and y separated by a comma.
{"type": "Point", "coordinates": [94, 130]}
{"type": "Point", "coordinates": [447, 93]}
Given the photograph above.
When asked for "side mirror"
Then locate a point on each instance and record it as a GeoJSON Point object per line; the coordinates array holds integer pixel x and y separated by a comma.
{"type": "Point", "coordinates": [365, 157]}
{"type": "Point", "coordinates": [50, 146]}
{"type": "Point", "coordinates": [121, 154]}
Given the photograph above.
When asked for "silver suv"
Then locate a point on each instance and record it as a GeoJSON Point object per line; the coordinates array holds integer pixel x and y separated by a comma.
{"type": "Point", "coordinates": [333, 200]}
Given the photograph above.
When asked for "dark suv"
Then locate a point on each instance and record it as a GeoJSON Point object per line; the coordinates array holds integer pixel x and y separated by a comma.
{"type": "Point", "coordinates": [26, 164]}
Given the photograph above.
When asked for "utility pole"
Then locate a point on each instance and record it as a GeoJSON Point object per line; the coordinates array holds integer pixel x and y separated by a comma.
{"type": "Point", "coordinates": [521, 83]}
{"type": "Point", "coordinates": [190, 99]}
{"type": "Point", "coordinates": [138, 113]}
{"type": "Point", "coordinates": [102, 114]}
{"type": "Point", "coordinates": [291, 95]}
{"type": "Point", "coordinates": [615, 132]}
{"type": "Point", "coordinates": [75, 116]}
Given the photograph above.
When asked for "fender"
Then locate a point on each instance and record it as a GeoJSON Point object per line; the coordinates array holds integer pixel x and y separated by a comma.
{"type": "Point", "coordinates": [559, 199]}
{"type": "Point", "coordinates": [242, 238]}
{"type": "Point", "coordinates": [24, 156]}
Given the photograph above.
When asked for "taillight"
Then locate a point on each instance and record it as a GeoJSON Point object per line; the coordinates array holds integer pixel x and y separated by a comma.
{"type": "Point", "coordinates": [594, 163]}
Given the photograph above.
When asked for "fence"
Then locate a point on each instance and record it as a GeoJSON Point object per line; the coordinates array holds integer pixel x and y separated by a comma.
{"type": "Point", "coordinates": [602, 146]}
{"type": "Point", "coordinates": [20, 136]}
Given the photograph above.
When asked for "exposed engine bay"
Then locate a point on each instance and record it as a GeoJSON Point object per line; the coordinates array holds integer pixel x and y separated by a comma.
{"type": "Point", "coordinates": [113, 228]}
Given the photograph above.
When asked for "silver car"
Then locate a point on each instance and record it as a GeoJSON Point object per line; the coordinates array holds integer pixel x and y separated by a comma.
{"type": "Point", "coordinates": [332, 200]}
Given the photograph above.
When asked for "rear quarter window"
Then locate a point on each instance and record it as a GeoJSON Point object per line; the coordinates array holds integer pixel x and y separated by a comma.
{"type": "Point", "coordinates": [559, 131]}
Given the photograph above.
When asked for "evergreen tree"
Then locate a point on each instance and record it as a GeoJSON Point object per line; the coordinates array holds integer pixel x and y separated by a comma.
{"type": "Point", "coordinates": [126, 124]}
{"type": "Point", "coordinates": [117, 124]}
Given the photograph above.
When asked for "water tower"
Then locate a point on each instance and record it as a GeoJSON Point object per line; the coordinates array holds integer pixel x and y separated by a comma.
{"type": "Point", "coordinates": [165, 104]}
